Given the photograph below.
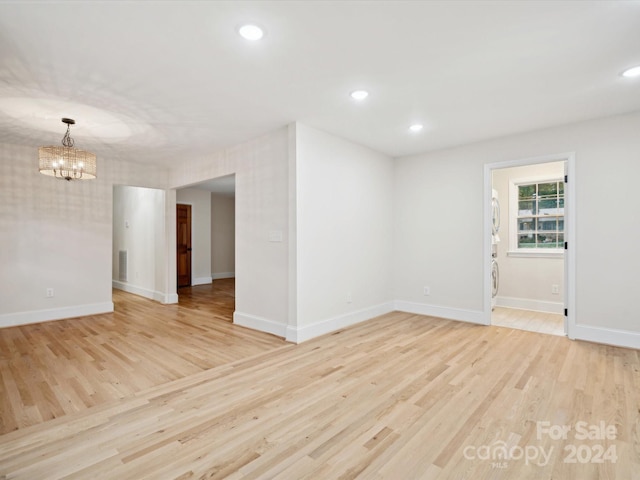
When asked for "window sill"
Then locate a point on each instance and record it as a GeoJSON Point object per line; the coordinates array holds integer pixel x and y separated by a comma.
{"type": "Point", "coordinates": [536, 254]}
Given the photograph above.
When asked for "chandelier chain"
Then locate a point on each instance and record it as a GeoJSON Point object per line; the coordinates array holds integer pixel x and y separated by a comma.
{"type": "Point", "coordinates": [67, 141]}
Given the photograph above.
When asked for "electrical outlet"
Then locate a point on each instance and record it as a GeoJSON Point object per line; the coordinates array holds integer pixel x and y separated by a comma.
{"type": "Point", "coordinates": [49, 292]}
{"type": "Point", "coordinates": [427, 291]}
{"type": "Point", "coordinates": [555, 289]}
{"type": "Point", "coordinates": [349, 297]}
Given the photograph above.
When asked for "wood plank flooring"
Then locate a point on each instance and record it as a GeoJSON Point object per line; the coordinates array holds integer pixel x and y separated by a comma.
{"type": "Point", "coordinates": [51, 369]}
{"type": "Point", "coordinates": [541, 322]}
{"type": "Point", "coordinates": [401, 396]}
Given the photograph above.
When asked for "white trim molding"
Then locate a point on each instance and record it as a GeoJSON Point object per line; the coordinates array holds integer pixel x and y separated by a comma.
{"type": "Point", "coordinates": [529, 304]}
{"type": "Point", "coordinates": [535, 254]}
{"type": "Point", "coordinates": [201, 281]}
{"type": "Point", "coordinates": [220, 275]}
{"type": "Point", "coordinates": [471, 316]}
{"type": "Point", "coordinates": [37, 316]}
{"type": "Point", "coordinates": [142, 292]}
{"type": "Point", "coordinates": [166, 298]}
{"type": "Point", "coordinates": [569, 235]}
{"type": "Point", "coordinates": [260, 324]}
{"type": "Point", "coordinates": [307, 332]}
{"type": "Point", "coordinates": [607, 336]}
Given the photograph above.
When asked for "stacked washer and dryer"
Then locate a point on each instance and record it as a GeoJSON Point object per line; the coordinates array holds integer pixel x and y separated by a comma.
{"type": "Point", "coordinates": [495, 239]}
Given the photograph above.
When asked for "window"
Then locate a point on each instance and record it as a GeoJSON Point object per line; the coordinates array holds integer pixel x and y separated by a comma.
{"type": "Point", "coordinates": [537, 216]}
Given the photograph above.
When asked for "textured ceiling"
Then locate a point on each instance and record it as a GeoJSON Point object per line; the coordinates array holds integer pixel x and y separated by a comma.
{"type": "Point", "coordinates": [162, 82]}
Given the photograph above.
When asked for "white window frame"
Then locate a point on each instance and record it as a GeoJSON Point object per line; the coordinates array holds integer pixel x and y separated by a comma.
{"type": "Point", "coordinates": [513, 250]}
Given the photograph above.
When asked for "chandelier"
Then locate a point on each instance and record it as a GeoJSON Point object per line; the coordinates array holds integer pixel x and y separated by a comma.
{"type": "Point", "coordinates": [67, 162]}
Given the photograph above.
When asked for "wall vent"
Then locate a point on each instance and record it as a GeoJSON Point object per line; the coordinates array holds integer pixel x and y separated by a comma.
{"type": "Point", "coordinates": [122, 265]}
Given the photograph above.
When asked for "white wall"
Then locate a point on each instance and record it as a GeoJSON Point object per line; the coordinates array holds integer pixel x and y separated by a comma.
{"type": "Point", "coordinates": [344, 233]}
{"type": "Point", "coordinates": [261, 167]}
{"type": "Point", "coordinates": [525, 282]}
{"type": "Point", "coordinates": [57, 234]}
{"type": "Point", "coordinates": [439, 224]}
{"type": "Point", "coordinates": [313, 224]}
{"type": "Point", "coordinates": [223, 236]}
{"type": "Point", "coordinates": [200, 201]}
{"type": "Point", "coordinates": [340, 199]}
{"type": "Point", "coordinates": [138, 228]}
{"type": "Point", "coordinates": [438, 234]}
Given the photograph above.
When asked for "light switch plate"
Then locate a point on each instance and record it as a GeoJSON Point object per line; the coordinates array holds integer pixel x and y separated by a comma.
{"type": "Point", "coordinates": [275, 236]}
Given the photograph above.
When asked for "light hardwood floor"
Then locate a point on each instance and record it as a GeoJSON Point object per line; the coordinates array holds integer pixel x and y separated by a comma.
{"type": "Point", "coordinates": [549, 323]}
{"type": "Point", "coordinates": [51, 369]}
{"type": "Point", "coordinates": [401, 396]}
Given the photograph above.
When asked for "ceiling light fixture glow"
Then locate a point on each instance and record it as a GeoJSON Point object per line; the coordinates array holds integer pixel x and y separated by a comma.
{"type": "Point", "coordinates": [67, 162]}
{"type": "Point", "coordinates": [251, 32]}
{"type": "Point", "coordinates": [632, 72]}
{"type": "Point", "coordinates": [416, 127]}
{"type": "Point", "coordinates": [359, 95]}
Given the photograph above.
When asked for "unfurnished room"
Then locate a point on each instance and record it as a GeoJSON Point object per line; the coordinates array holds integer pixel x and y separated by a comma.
{"type": "Point", "coordinates": [319, 240]}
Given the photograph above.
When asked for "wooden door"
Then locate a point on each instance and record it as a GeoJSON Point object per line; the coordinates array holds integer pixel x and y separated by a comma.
{"type": "Point", "coordinates": [183, 243]}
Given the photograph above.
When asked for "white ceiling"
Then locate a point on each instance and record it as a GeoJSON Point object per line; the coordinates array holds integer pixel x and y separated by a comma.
{"type": "Point", "coordinates": [163, 82]}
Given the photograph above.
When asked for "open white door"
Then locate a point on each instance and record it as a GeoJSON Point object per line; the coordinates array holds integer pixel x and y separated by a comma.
{"type": "Point", "coordinates": [567, 226]}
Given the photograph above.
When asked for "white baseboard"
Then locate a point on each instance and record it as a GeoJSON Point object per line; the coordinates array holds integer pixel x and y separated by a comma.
{"type": "Point", "coordinates": [471, 316]}
{"type": "Point", "coordinates": [201, 281]}
{"type": "Point", "coordinates": [307, 332]}
{"type": "Point", "coordinates": [607, 336]}
{"type": "Point", "coordinates": [143, 292]}
{"type": "Point", "coordinates": [220, 275]}
{"type": "Point", "coordinates": [166, 298]}
{"type": "Point", "coordinates": [259, 323]}
{"type": "Point", "coordinates": [36, 316]}
{"type": "Point", "coordinates": [528, 304]}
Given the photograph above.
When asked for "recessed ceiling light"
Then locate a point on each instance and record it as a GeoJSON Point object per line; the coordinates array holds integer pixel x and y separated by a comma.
{"type": "Point", "coordinates": [359, 94]}
{"type": "Point", "coordinates": [632, 72]}
{"type": "Point", "coordinates": [251, 32]}
{"type": "Point", "coordinates": [416, 127]}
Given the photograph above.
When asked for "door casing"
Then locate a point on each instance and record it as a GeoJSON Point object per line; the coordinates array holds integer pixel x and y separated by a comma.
{"type": "Point", "coordinates": [569, 235]}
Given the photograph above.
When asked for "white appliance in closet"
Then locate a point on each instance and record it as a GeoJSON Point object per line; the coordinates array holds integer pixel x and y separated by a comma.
{"type": "Point", "coordinates": [495, 239]}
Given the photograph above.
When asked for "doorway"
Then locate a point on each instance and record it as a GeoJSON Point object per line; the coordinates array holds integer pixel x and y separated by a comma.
{"type": "Point", "coordinates": [531, 246]}
{"type": "Point", "coordinates": [210, 282]}
{"type": "Point", "coordinates": [183, 245]}
{"type": "Point", "coordinates": [140, 242]}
